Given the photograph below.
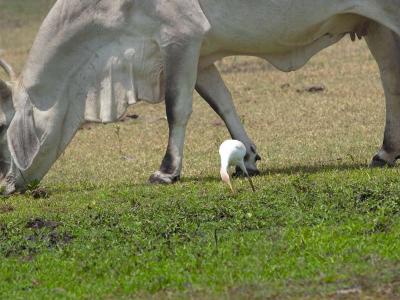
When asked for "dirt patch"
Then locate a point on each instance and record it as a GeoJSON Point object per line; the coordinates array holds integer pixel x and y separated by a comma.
{"type": "Point", "coordinates": [38, 235]}
{"type": "Point", "coordinates": [50, 236]}
{"type": "Point", "coordinates": [40, 224]}
{"type": "Point", "coordinates": [217, 123]}
{"type": "Point", "coordinates": [53, 238]}
{"type": "Point", "coordinates": [129, 117]}
{"type": "Point", "coordinates": [6, 208]}
{"type": "Point", "coordinates": [312, 89]}
{"type": "Point", "coordinates": [49, 240]}
{"type": "Point", "coordinates": [56, 238]}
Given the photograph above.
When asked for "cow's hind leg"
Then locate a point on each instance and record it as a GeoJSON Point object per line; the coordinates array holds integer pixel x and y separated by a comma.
{"type": "Point", "coordinates": [181, 62]}
{"type": "Point", "coordinates": [211, 88]}
{"type": "Point", "coordinates": [385, 47]}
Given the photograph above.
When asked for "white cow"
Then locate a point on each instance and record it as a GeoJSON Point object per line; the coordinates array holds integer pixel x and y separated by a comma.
{"type": "Point", "coordinates": [92, 58]}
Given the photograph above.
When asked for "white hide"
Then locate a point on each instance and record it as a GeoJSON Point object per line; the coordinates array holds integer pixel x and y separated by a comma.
{"type": "Point", "coordinates": [93, 58]}
{"type": "Point", "coordinates": [132, 73]}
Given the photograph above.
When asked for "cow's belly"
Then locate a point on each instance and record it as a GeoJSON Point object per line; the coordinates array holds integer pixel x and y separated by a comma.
{"type": "Point", "coordinates": [287, 36]}
{"type": "Point", "coordinates": [257, 25]}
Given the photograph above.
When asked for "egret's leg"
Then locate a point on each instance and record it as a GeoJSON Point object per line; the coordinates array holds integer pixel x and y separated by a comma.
{"type": "Point", "coordinates": [385, 47]}
{"type": "Point", "coordinates": [180, 74]}
{"type": "Point", "coordinates": [211, 88]}
{"type": "Point", "coordinates": [231, 187]}
{"type": "Point", "coordinates": [243, 168]}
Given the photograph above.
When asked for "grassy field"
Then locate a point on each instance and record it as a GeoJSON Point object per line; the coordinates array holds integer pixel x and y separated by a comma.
{"type": "Point", "coordinates": [320, 226]}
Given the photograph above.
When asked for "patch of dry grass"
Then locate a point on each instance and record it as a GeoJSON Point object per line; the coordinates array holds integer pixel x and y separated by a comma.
{"type": "Point", "coordinates": [19, 22]}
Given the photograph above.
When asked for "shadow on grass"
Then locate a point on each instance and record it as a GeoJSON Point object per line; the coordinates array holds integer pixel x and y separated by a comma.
{"type": "Point", "coordinates": [313, 169]}
{"type": "Point", "coordinates": [290, 170]}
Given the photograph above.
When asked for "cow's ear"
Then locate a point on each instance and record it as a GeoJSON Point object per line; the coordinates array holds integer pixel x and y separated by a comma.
{"type": "Point", "coordinates": [23, 141]}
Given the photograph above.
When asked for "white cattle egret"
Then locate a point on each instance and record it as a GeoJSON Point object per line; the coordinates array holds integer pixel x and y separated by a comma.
{"type": "Point", "coordinates": [232, 153]}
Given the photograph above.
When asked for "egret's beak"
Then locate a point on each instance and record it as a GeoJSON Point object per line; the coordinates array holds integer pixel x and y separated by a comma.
{"type": "Point", "coordinates": [225, 178]}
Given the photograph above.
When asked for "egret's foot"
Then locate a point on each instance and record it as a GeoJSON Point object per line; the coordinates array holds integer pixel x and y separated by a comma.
{"type": "Point", "coordinates": [252, 172]}
{"type": "Point", "coordinates": [378, 162]}
{"type": "Point", "coordinates": [162, 178]}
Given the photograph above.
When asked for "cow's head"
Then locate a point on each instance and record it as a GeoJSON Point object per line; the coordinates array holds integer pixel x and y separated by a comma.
{"type": "Point", "coordinates": [6, 114]}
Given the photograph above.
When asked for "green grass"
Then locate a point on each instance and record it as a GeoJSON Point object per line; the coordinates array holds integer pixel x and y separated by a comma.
{"type": "Point", "coordinates": [321, 225]}
{"type": "Point", "coordinates": [299, 235]}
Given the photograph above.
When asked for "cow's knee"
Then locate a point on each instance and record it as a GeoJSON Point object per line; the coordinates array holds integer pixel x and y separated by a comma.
{"type": "Point", "coordinates": [179, 116]}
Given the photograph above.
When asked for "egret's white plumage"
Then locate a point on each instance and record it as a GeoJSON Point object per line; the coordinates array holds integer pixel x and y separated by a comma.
{"type": "Point", "coordinates": [232, 153]}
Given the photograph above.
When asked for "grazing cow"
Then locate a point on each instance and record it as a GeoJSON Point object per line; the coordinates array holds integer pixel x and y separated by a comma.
{"type": "Point", "coordinates": [92, 58]}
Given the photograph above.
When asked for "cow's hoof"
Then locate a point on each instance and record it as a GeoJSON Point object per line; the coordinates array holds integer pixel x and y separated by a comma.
{"type": "Point", "coordinates": [252, 172]}
{"type": "Point", "coordinates": [378, 162]}
{"type": "Point", "coordinates": [162, 178]}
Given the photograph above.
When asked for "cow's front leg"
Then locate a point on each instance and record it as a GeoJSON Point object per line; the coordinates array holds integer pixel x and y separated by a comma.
{"type": "Point", "coordinates": [180, 75]}
{"type": "Point", "coordinates": [211, 88]}
{"type": "Point", "coordinates": [385, 47]}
